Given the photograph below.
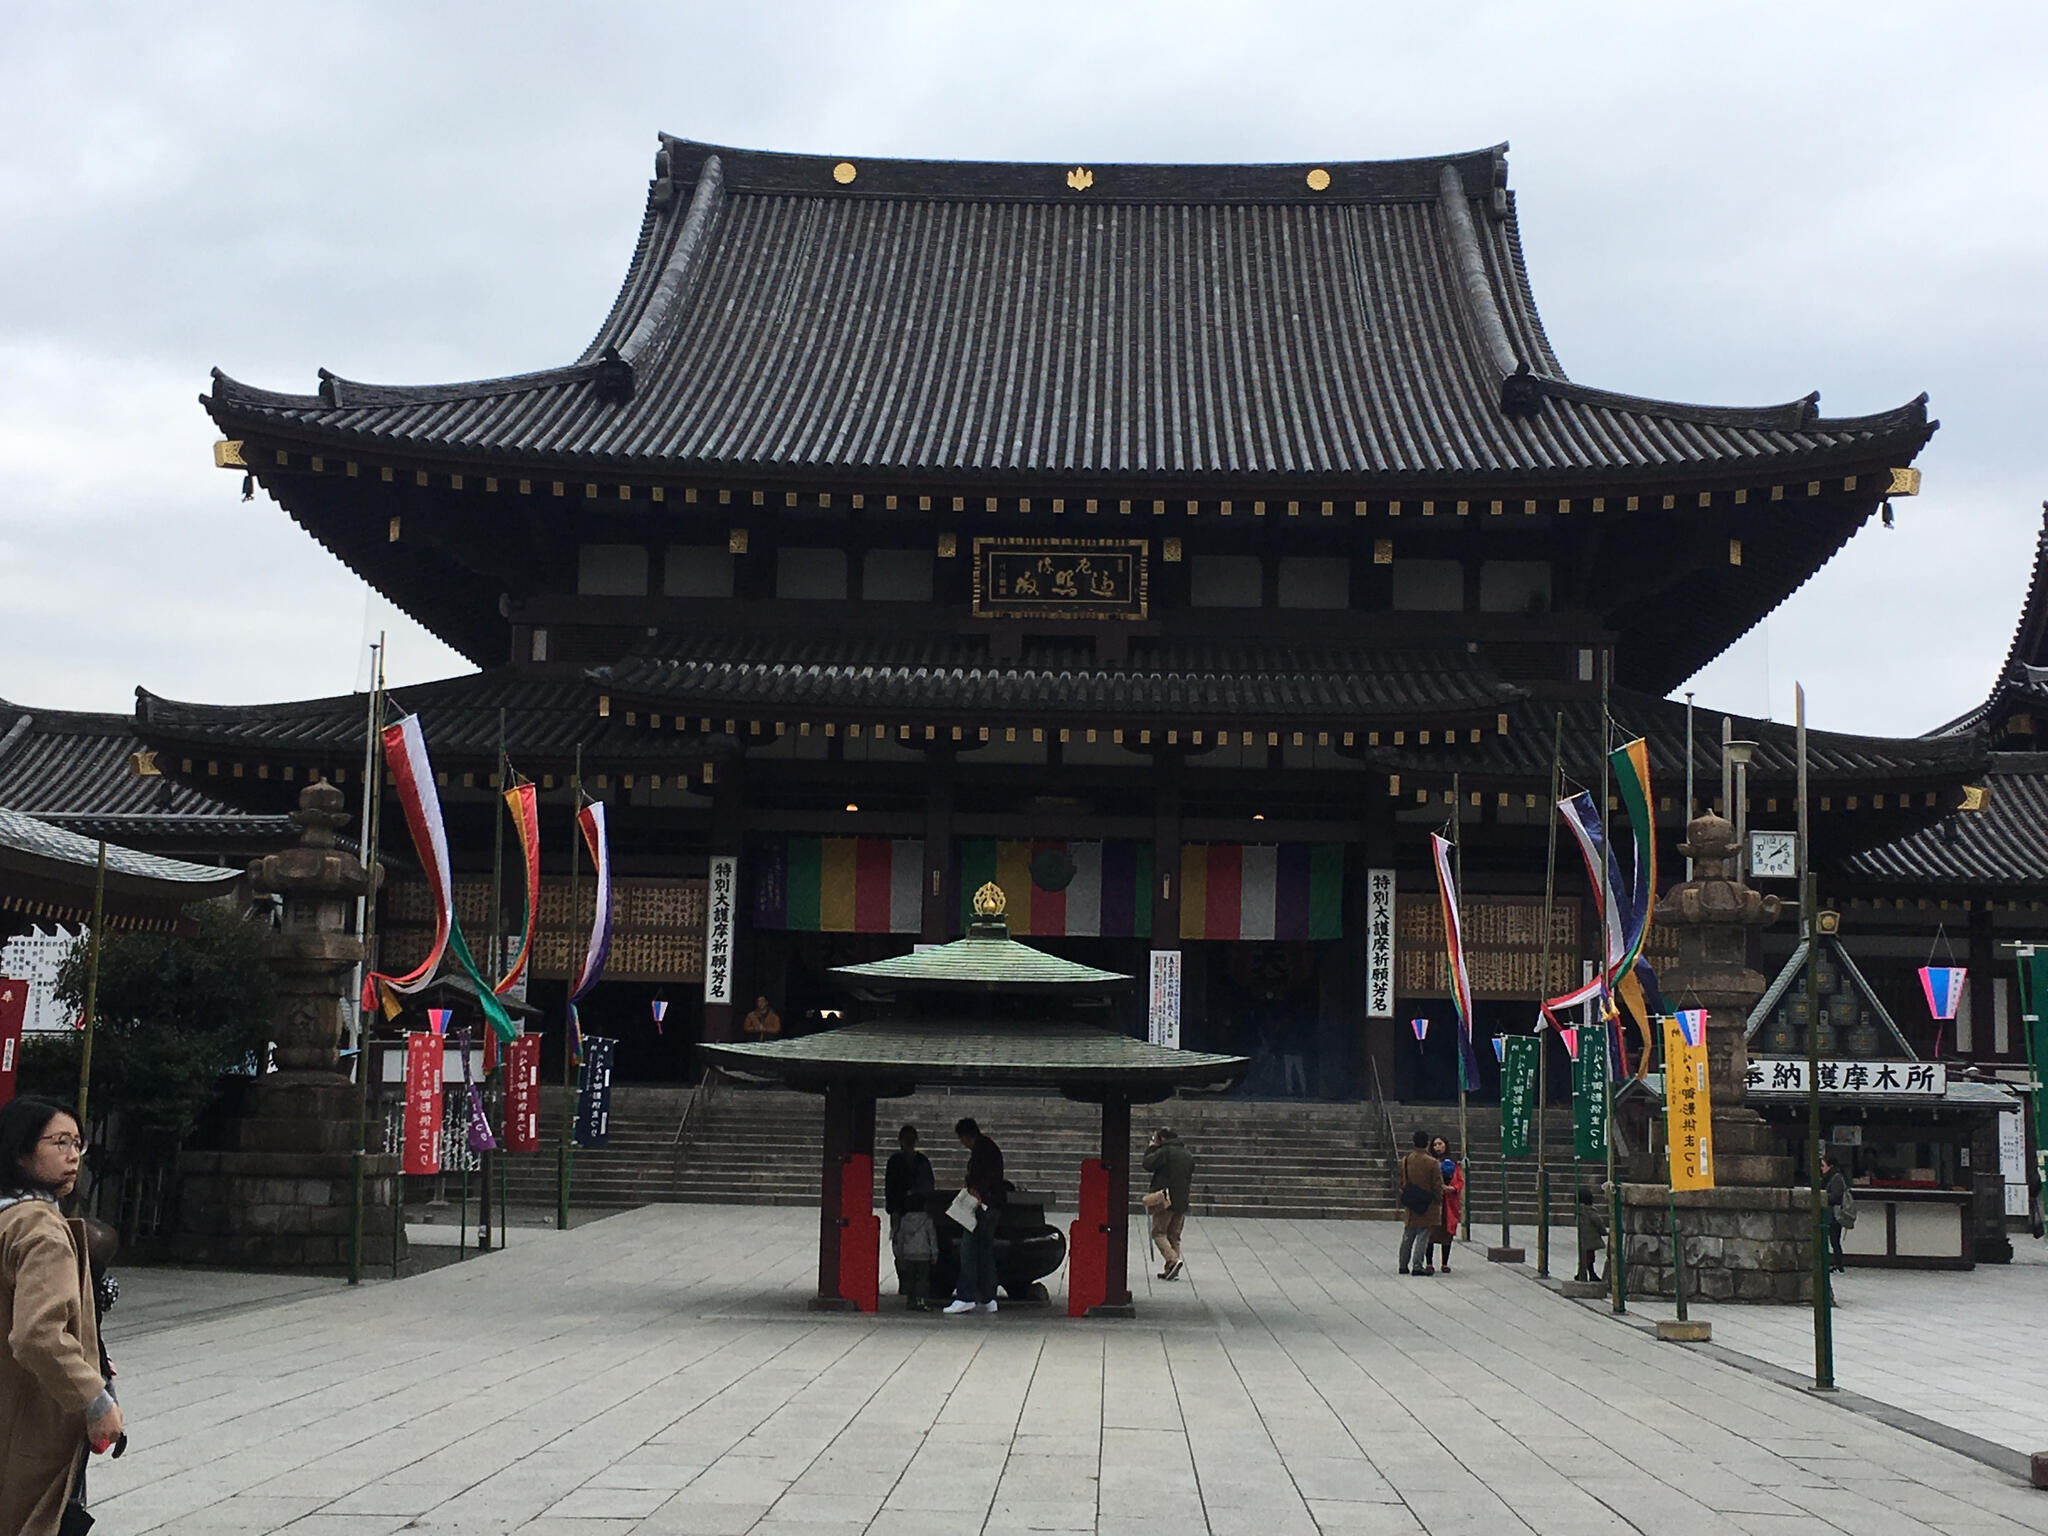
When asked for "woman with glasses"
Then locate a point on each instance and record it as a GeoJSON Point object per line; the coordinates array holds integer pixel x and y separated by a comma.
{"type": "Point", "coordinates": [53, 1399]}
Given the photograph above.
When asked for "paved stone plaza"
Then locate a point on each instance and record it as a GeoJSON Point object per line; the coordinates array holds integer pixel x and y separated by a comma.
{"type": "Point", "coordinates": [656, 1373]}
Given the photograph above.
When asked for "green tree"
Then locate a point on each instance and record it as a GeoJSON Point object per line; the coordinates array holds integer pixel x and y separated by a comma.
{"type": "Point", "coordinates": [175, 1015]}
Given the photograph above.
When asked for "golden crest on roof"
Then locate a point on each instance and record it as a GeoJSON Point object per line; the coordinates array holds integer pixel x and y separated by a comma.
{"type": "Point", "coordinates": [1080, 179]}
{"type": "Point", "coordinates": [990, 901]}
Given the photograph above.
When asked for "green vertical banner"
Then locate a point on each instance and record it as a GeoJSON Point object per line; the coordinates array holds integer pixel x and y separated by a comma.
{"type": "Point", "coordinates": [1519, 1055]}
{"type": "Point", "coordinates": [1589, 1096]}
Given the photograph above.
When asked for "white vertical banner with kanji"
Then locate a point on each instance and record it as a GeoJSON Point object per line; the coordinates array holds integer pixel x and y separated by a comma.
{"type": "Point", "coordinates": [1379, 943]}
{"type": "Point", "coordinates": [1162, 1018]}
{"type": "Point", "coordinates": [720, 892]}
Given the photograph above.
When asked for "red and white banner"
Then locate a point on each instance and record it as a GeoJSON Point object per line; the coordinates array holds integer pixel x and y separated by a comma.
{"type": "Point", "coordinates": [522, 1094]}
{"type": "Point", "coordinates": [13, 1010]}
{"type": "Point", "coordinates": [412, 780]}
{"type": "Point", "coordinates": [422, 1103]}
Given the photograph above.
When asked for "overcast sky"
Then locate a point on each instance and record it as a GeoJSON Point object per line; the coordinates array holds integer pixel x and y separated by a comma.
{"type": "Point", "coordinates": [1730, 203]}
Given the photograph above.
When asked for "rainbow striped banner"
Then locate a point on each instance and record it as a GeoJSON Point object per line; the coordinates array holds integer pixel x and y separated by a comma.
{"type": "Point", "coordinates": [840, 885]}
{"type": "Point", "coordinates": [1110, 896]}
{"type": "Point", "coordinates": [1261, 891]}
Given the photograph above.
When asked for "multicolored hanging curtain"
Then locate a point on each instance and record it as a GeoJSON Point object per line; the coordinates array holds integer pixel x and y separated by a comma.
{"type": "Point", "coordinates": [1109, 896]}
{"type": "Point", "coordinates": [1261, 891]}
{"type": "Point", "coordinates": [840, 885]}
{"type": "Point", "coordinates": [1454, 946]}
{"type": "Point", "coordinates": [523, 802]}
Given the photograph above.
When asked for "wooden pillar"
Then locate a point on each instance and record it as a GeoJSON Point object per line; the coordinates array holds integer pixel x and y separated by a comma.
{"type": "Point", "coordinates": [941, 897]}
{"type": "Point", "coordinates": [1116, 1157]}
{"type": "Point", "coordinates": [841, 1120]}
{"type": "Point", "coordinates": [1981, 982]}
{"type": "Point", "coordinates": [725, 839]}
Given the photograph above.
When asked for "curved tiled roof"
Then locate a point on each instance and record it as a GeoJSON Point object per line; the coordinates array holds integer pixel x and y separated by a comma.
{"type": "Point", "coordinates": [1076, 1057]}
{"type": "Point", "coordinates": [73, 769]}
{"type": "Point", "coordinates": [2023, 678]}
{"type": "Point", "coordinates": [1053, 678]}
{"type": "Point", "coordinates": [548, 714]}
{"type": "Point", "coordinates": [2003, 847]}
{"type": "Point", "coordinates": [1367, 321]}
{"type": "Point", "coordinates": [1832, 756]}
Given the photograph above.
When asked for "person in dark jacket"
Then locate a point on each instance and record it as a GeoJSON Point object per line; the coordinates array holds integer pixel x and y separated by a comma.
{"type": "Point", "coordinates": [1835, 1186]}
{"type": "Point", "coordinates": [1423, 1211]}
{"type": "Point", "coordinates": [1592, 1224]}
{"type": "Point", "coordinates": [1172, 1167]}
{"type": "Point", "coordinates": [984, 1181]}
{"type": "Point", "coordinates": [906, 1184]}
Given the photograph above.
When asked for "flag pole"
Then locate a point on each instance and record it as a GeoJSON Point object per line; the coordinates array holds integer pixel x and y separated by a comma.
{"type": "Point", "coordinates": [1809, 925]}
{"type": "Point", "coordinates": [366, 930]}
{"type": "Point", "coordinates": [1467, 1025]}
{"type": "Point", "coordinates": [1543, 992]}
{"type": "Point", "coordinates": [1617, 1280]}
{"type": "Point", "coordinates": [564, 1160]}
{"type": "Point", "coordinates": [92, 992]}
{"type": "Point", "coordinates": [493, 968]}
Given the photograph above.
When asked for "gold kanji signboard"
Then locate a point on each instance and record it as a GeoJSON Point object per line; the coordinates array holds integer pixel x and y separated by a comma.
{"type": "Point", "coordinates": [657, 926]}
{"type": "Point", "coordinates": [1060, 578]}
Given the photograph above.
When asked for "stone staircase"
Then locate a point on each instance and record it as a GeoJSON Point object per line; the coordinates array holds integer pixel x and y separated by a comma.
{"type": "Point", "coordinates": [1253, 1158]}
{"type": "Point", "coordinates": [760, 1146]}
{"type": "Point", "coordinates": [637, 1168]}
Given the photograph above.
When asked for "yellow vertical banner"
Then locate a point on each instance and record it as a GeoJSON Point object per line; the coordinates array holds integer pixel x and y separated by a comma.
{"type": "Point", "coordinates": [1688, 1104]}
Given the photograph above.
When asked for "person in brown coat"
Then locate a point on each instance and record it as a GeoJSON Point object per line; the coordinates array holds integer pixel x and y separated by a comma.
{"type": "Point", "coordinates": [53, 1399]}
{"type": "Point", "coordinates": [1421, 1190]}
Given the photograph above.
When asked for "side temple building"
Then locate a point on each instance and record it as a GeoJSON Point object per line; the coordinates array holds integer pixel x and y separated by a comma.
{"type": "Point", "coordinates": [1176, 545]}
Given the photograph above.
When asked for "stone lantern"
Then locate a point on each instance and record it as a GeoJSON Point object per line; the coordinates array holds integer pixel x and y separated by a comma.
{"type": "Point", "coordinates": [312, 952]}
{"type": "Point", "coordinates": [1750, 1237]}
{"type": "Point", "coordinates": [281, 1196]}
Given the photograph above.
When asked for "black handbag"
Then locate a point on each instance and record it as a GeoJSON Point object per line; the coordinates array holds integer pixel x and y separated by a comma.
{"type": "Point", "coordinates": [76, 1519]}
{"type": "Point", "coordinates": [1414, 1198]}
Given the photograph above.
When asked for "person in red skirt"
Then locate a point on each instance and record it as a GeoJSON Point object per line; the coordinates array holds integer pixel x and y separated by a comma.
{"type": "Point", "coordinates": [1454, 1200]}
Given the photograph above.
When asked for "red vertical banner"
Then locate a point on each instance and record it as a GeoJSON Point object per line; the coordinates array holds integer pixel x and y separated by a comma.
{"type": "Point", "coordinates": [13, 1009]}
{"type": "Point", "coordinates": [422, 1103]}
{"type": "Point", "coordinates": [522, 1094]}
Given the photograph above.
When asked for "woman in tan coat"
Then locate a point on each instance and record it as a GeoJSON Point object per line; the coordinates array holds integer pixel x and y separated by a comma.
{"type": "Point", "coordinates": [1421, 1188]}
{"type": "Point", "coordinates": [52, 1396]}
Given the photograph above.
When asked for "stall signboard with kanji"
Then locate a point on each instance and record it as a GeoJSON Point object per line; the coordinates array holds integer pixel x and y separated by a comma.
{"type": "Point", "coordinates": [1589, 1097]}
{"type": "Point", "coordinates": [1787, 1075]}
{"type": "Point", "coordinates": [1688, 1108]}
{"type": "Point", "coordinates": [1518, 1061]}
{"type": "Point", "coordinates": [719, 896]}
{"type": "Point", "coordinates": [423, 1052]}
{"type": "Point", "coordinates": [593, 1122]}
{"type": "Point", "coordinates": [1379, 943]}
{"type": "Point", "coordinates": [1162, 1018]}
{"type": "Point", "coordinates": [13, 1011]}
{"type": "Point", "coordinates": [1060, 578]}
{"type": "Point", "coordinates": [522, 1094]}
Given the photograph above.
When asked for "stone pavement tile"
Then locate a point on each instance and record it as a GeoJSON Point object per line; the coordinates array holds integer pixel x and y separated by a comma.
{"type": "Point", "coordinates": [678, 1517]}
{"type": "Point", "coordinates": [324, 1524]}
{"type": "Point", "coordinates": [1796, 1524]}
{"type": "Point", "coordinates": [1029, 1479]}
{"type": "Point", "coordinates": [1015, 1517]}
{"type": "Point", "coordinates": [549, 1525]}
{"type": "Point", "coordinates": [610, 1503]}
{"type": "Point", "coordinates": [732, 1481]}
{"type": "Point", "coordinates": [770, 1526]}
{"type": "Point", "coordinates": [394, 1498]}
{"type": "Point", "coordinates": [1338, 1517]}
{"type": "Point", "coordinates": [826, 1509]}
{"type": "Point", "coordinates": [1277, 1520]}
{"type": "Point", "coordinates": [1107, 1524]}
{"type": "Point", "coordinates": [1349, 1478]}
{"type": "Point", "coordinates": [1083, 1443]}
{"type": "Point", "coordinates": [928, 1522]}
{"type": "Point", "coordinates": [844, 1479]}
{"type": "Point", "coordinates": [1580, 1516]}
